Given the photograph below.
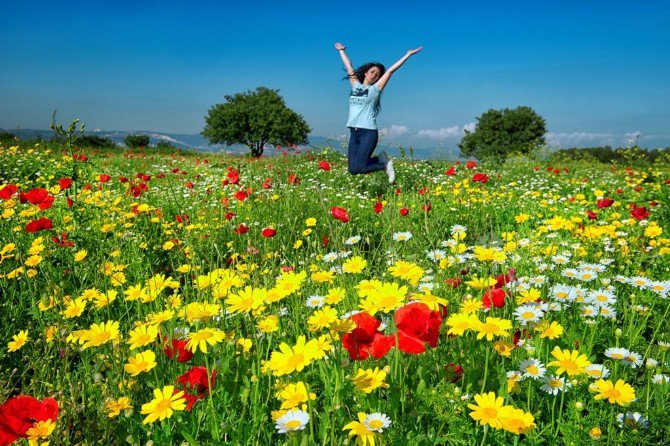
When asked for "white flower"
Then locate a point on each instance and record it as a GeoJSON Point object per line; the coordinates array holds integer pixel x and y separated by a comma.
{"type": "Point", "coordinates": [660, 379]}
{"type": "Point", "coordinates": [563, 292]}
{"type": "Point", "coordinates": [295, 420]}
{"type": "Point", "coordinates": [553, 384]}
{"type": "Point", "coordinates": [352, 240]}
{"type": "Point", "coordinates": [377, 422]}
{"type": "Point", "coordinates": [330, 257]}
{"type": "Point", "coordinates": [632, 359]}
{"type": "Point", "coordinates": [617, 353]}
{"type": "Point", "coordinates": [315, 301]}
{"type": "Point", "coordinates": [402, 236]}
{"type": "Point", "coordinates": [436, 254]}
{"type": "Point", "coordinates": [601, 297]}
{"type": "Point", "coordinates": [632, 420]}
{"type": "Point", "coordinates": [597, 371]}
{"type": "Point", "coordinates": [528, 313]}
{"type": "Point", "coordinates": [532, 368]}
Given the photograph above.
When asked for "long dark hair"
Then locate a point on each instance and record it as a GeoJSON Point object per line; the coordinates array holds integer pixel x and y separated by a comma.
{"type": "Point", "coordinates": [360, 71]}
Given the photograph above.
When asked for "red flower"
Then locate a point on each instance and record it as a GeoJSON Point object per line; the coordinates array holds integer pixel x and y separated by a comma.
{"type": "Point", "coordinates": [378, 207]}
{"type": "Point", "coordinates": [230, 215]}
{"type": "Point", "coordinates": [404, 212]}
{"type": "Point", "coordinates": [454, 372]}
{"type": "Point", "coordinates": [70, 203]}
{"type": "Point", "coordinates": [293, 179]}
{"type": "Point", "coordinates": [18, 414]}
{"type": "Point", "coordinates": [639, 213]}
{"type": "Point", "coordinates": [268, 232]}
{"type": "Point", "coordinates": [504, 279]}
{"type": "Point", "coordinates": [325, 241]}
{"type": "Point", "coordinates": [426, 207]}
{"type": "Point", "coordinates": [365, 340]}
{"type": "Point", "coordinates": [65, 183]}
{"type": "Point", "coordinates": [176, 348]}
{"type": "Point", "coordinates": [7, 191]}
{"type": "Point", "coordinates": [189, 185]}
{"type": "Point", "coordinates": [471, 164]}
{"type": "Point", "coordinates": [104, 178]}
{"type": "Point", "coordinates": [197, 381]}
{"type": "Point", "coordinates": [604, 203]}
{"type": "Point", "coordinates": [324, 165]}
{"type": "Point", "coordinates": [240, 195]}
{"type": "Point", "coordinates": [451, 171]}
{"type": "Point", "coordinates": [233, 176]}
{"type": "Point", "coordinates": [241, 229]}
{"type": "Point", "coordinates": [592, 215]}
{"type": "Point", "coordinates": [454, 281]}
{"type": "Point", "coordinates": [494, 296]}
{"type": "Point", "coordinates": [34, 196]}
{"type": "Point", "coordinates": [267, 184]}
{"type": "Point", "coordinates": [340, 214]}
{"type": "Point", "coordinates": [39, 225]}
{"type": "Point", "coordinates": [480, 178]}
{"type": "Point", "coordinates": [62, 241]}
{"type": "Point", "coordinates": [417, 325]}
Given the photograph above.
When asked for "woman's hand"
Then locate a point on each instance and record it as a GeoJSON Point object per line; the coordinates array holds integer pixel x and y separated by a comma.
{"type": "Point", "coordinates": [414, 51]}
{"type": "Point", "coordinates": [339, 46]}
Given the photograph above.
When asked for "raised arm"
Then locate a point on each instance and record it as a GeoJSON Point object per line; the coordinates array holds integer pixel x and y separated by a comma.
{"type": "Point", "coordinates": [347, 63]}
{"type": "Point", "coordinates": [381, 83]}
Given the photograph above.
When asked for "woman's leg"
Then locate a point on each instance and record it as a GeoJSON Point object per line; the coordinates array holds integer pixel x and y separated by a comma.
{"type": "Point", "coordinates": [360, 151]}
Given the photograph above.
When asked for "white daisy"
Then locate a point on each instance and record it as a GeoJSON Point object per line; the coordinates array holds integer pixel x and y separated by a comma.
{"type": "Point", "coordinates": [532, 368]}
{"type": "Point", "coordinates": [632, 359]}
{"type": "Point", "coordinates": [528, 313]}
{"type": "Point", "coordinates": [437, 255]}
{"type": "Point", "coordinates": [632, 420]}
{"type": "Point", "coordinates": [315, 301]}
{"type": "Point", "coordinates": [402, 236]}
{"type": "Point", "coordinates": [601, 297]}
{"type": "Point", "coordinates": [617, 353]}
{"type": "Point", "coordinates": [597, 371]}
{"type": "Point", "coordinates": [377, 422]}
{"type": "Point", "coordinates": [570, 273]}
{"type": "Point", "coordinates": [660, 379]}
{"type": "Point", "coordinates": [330, 257]}
{"type": "Point", "coordinates": [563, 292]}
{"type": "Point", "coordinates": [352, 240]}
{"type": "Point", "coordinates": [553, 384]}
{"type": "Point", "coordinates": [295, 420]}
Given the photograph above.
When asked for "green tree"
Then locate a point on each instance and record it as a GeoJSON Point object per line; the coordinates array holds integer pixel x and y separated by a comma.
{"type": "Point", "coordinates": [500, 133]}
{"type": "Point", "coordinates": [135, 141]}
{"type": "Point", "coordinates": [255, 118]}
{"type": "Point", "coordinates": [95, 141]}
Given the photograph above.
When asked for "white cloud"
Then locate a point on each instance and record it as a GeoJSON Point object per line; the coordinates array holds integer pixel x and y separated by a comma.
{"type": "Point", "coordinates": [453, 132]}
{"type": "Point", "coordinates": [580, 138]}
{"type": "Point", "coordinates": [394, 131]}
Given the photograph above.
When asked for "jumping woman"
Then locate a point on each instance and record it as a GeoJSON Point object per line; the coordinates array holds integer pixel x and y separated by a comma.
{"type": "Point", "coordinates": [367, 83]}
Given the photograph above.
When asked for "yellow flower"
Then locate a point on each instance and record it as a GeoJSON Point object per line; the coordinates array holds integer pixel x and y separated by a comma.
{"type": "Point", "coordinates": [530, 295]}
{"type": "Point", "coordinates": [568, 361]}
{"type": "Point", "coordinates": [518, 422]}
{"type": "Point", "coordinates": [310, 222]}
{"type": "Point", "coordinates": [335, 295]}
{"type": "Point", "coordinates": [489, 254]}
{"type": "Point", "coordinates": [368, 380]}
{"type": "Point", "coordinates": [354, 265]}
{"type": "Point", "coordinates": [470, 306]}
{"type": "Point", "coordinates": [136, 292]}
{"type": "Point", "coordinates": [80, 255]}
{"type": "Point", "coordinates": [268, 325]}
{"type": "Point", "coordinates": [504, 348]}
{"type": "Point", "coordinates": [293, 395]}
{"type": "Point", "coordinates": [432, 301]}
{"type": "Point", "coordinates": [290, 282]}
{"type": "Point", "coordinates": [184, 269]}
{"type": "Point", "coordinates": [365, 436]}
{"type": "Point", "coordinates": [246, 300]}
{"type": "Point", "coordinates": [406, 271]}
{"type": "Point", "coordinates": [296, 358]}
{"type": "Point", "coordinates": [142, 335]}
{"type": "Point", "coordinates": [620, 393]}
{"type": "Point", "coordinates": [322, 318]}
{"type": "Point", "coordinates": [141, 362]}
{"type": "Point", "coordinates": [211, 336]}
{"type": "Point", "coordinates": [551, 331]}
{"type": "Point", "coordinates": [386, 298]}
{"type": "Point", "coordinates": [99, 334]}
{"type": "Point", "coordinates": [41, 429]}
{"type": "Point", "coordinates": [323, 276]}
{"type": "Point", "coordinates": [482, 283]}
{"type": "Point", "coordinates": [459, 322]}
{"type": "Point", "coordinates": [199, 311]}
{"type": "Point", "coordinates": [114, 407]}
{"type": "Point", "coordinates": [493, 326]}
{"type": "Point", "coordinates": [489, 410]}
{"type": "Point", "coordinates": [19, 340]}
{"type": "Point", "coordinates": [33, 261]}
{"type": "Point", "coordinates": [163, 405]}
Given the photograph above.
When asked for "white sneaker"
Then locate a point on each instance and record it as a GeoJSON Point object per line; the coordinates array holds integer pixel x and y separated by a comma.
{"type": "Point", "coordinates": [390, 171]}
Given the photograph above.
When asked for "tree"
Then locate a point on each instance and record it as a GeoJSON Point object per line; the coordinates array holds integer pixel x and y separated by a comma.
{"type": "Point", "coordinates": [135, 141]}
{"type": "Point", "coordinates": [501, 132]}
{"type": "Point", "coordinates": [95, 141]}
{"type": "Point", "coordinates": [255, 118]}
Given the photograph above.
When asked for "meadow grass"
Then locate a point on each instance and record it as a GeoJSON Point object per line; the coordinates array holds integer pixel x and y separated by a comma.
{"type": "Point", "coordinates": [513, 304]}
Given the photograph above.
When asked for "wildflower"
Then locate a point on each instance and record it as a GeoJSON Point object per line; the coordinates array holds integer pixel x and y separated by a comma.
{"type": "Point", "coordinates": [141, 362]}
{"type": "Point", "coordinates": [632, 359]}
{"type": "Point", "coordinates": [417, 325]}
{"type": "Point", "coordinates": [315, 301]}
{"type": "Point", "coordinates": [322, 318]}
{"type": "Point", "coordinates": [293, 420]}
{"type": "Point", "coordinates": [489, 254]}
{"type": "Point", "coordinates": [518, 422]}
{"type": "Point", "coordinates": [295, 358]}
{"type": "Point", "coordinates": [114, 407]}
{"type": "Point", "coordinates": [269, 324]}
{"type": "Point", "coordinates": [99, 334]}
{"type": "Point", "coordinates": [406, 271]}
{"type": "Point", "coordinates": [551, 330]}
{"type": "Point", "coordinates": [293, 395]}
{"type": "Point", "coordinates": [354, 265]}
{"type": "Point", "coordinates": [352, 240]}
{"type": "Point", "coordinates": [141, 336]}
{"type": "Point", "coordinates": [493, 327]}
{"type": "Point", "coordinates": [198, 380]}
{"type": "Point", "coordinates": [74, 308]}
{"type": "Point", "coordinates": [20, 414]}
{"type": "Point", "coordinates": [489, 410]}
{"type": "Point", "coordinates": [364, 340]}
{"type": "Point", "coordinates": [532, 368]}
{"type": "Point", "coordinates": [617, 353]}
{"type": "Point", "coordinates": [495, 297]}
{"type": "Point", "coordinates": [459, 322]}
{"type": "Point", "coordinates": [200, 339]}
{"type": "Point", "coordinates": [553, 384]}
{"type": "Point", "coordinates": [568, 361]}
{"type": "Point", "coordinates": [386, 298]}
{"type": "Point", "coordinates": [368, 380]}
{"type": "Point", "coordinates": [365, 437]}
{"type": "Point", "coordinates": [526, 314]}
{"type": "Point", "coordinates": [19, 340]}
{"type": "Point", "coordinates": [632, 420]}
{"type": "Point", "coordinates": [246, 300]}
{"type": "Point", "coordinates": [402, 236]}
{"type": "Point", "coordinates": [334, 295]}
{"type": "Point", "coordinates": [620, 392]}
{"type": "Point", "coordinates": [165, 402]}
{"type": "Point", "coordinates": [339, 213]}
{"type": "Point", "coordinates": [377, 422]}
{"type": "Point", "coordinates": [597, 371]}
{"type": "Point", "coordinates": [660, 379]}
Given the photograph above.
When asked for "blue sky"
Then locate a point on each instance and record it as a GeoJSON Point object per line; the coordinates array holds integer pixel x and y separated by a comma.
{"type": "Point", "coordinates": [596, 71]}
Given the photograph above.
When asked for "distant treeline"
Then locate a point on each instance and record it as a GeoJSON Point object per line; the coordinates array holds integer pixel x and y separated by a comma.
{"type": "Point", "coordinates": [98, 142]}
{"type": "Point", "coordinates": [609, 155]}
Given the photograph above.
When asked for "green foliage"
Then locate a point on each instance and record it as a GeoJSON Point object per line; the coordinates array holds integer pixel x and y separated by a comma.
{"type": "Point", "coordinates": [166, 146]}
{"type": "Point", "coordinates": [7, 137]}
{"type": "Point", "coordinates": [136, 141]}
{"type": "Point", "coordinates": [94, 141]}
{"type": "Point", "coordinates": [501, 132]}
{"type": "Point", "coordinates": [607, 155]}
{"type": "Point", "coordinates": [255, 118]}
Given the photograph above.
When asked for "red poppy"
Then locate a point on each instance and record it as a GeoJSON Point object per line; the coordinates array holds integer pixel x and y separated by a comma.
{"type": "Point", "coordinates": [18, 414]}
{"type": "Point", "coordinates": [176, 348]}
{"type": "Point", "coordinates": [604, 203]}
{"type": "Point", "coordinates": [480, 178]}
{"type": "Point", "coordinates": [189, 185]}
{"type": "Point", "coordinates": [504, 279]}
{"type": "Point", "coordinates": [80, 157]}
{"type": "Point", "coordinates": [495, 297]}
{"type": "Point", "coordinates": [293, 179]}
{"type": "Point", "coordinates": [267, 184]}
{"type": "Point", "coordinates": [325, 241]}
{"type": "Point", "coordinates": [230, 215]}
{"type": "Point", "coordinates": [471, 164]}
{"type": "Point", "coordinates": [233, 176]}
{"type": "Point", "coordinates": [639, 213]}
{"type": "Point", "coordinates": [104, 178]}
{"type": "Point", "coordinates": [592, 215]}
{"type": "Point", "coordinates": [426, 207]}
{"type": "Point", "coordinates": [40, 224]}
{"type": "Point", "coordinates": [240, 195]}
{"type": "Point", "coordinates": [7, 191]}
{"type": "Point", "coordinates": [453, 281]}
{"type": "Point", "coordinates": [70, 203]}
{"type": "Point", "coordinates": [364, 340]}
{"type": "Point", "coordinates": [123, 180]}
{"type": "Point", "coordinates": [340, 214]}
{"type": "Point", "coordinates": [404, 212]}
{"type": "Point", "coordinates": [378, 207]}
{"type": "Point", "coordinates": [451, 171]}
{"type": "Point", "coordinates": [62, 241]}
{"type": "Point", "coordinates": [34, 196]}
{"type": "Point", "coordinates": [241, 229]}
{"type": "Point", "coordinates": [324, 165]}
{"type": "Point", "coordinates": [454, 372]}
{"type": "Point", "coordinates": [268, 232]}
{"type": "Point", "coordinates": [417, 325]}
{"type": "Point", "coordinates": [518, 334]}
{"type": "Point", "coordinates": [65, 183]}
{"type": "Point", "coordinates": [196, 381]}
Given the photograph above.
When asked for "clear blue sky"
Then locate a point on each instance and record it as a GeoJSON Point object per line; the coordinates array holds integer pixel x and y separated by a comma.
{"type": "Point", "coordinates": [596, 71]}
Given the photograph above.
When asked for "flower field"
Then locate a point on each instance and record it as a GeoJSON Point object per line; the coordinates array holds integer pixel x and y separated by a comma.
{"type": "Point", "coordinates": [204, 299]}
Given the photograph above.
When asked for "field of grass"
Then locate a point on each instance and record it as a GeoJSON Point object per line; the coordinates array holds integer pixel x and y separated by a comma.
{"type": "Point", "coordinates": [203, 299]}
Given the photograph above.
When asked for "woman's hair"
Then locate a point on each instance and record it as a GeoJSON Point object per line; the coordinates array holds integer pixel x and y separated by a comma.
{"type": "Point", "coordinates": [360, 71]}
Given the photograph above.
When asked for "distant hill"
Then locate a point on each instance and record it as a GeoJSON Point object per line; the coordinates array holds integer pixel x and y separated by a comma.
{"type": "Point", "coordinates": [197, 142]}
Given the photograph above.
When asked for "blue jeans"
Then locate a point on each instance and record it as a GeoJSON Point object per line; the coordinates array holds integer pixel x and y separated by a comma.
{"type": "Point", "coordinates": [361, 145]}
